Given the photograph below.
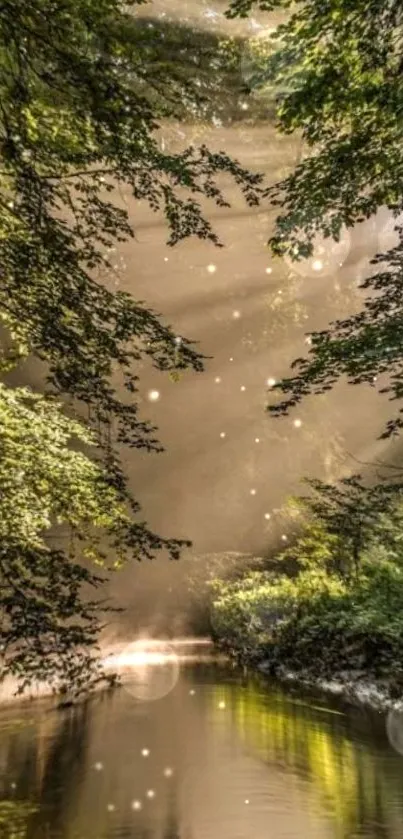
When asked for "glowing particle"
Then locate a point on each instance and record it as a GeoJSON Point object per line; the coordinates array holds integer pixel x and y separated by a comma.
{"type": "Point", "coordinates": [297, 423]}
{"type": "Point", "coordinates": [231, 359]}
{"type": "Point", "coordinates": [269, 270]}
{"type": "Point", "coordinates": [217, 380]}
{"type": "Point", "coordinates": [245, 106]}
{"type": "Point", "coordinates": [110, 808]}
{"type": "Point", "coordinates": [136, 805]}
{"type": "Point", "coordinates": [253, 492]}
{"type": "Point", "coordinates": [168, 772]}
{"type": "Point", "coordinates": [211, 269]}
{"type": "Point", "coordinates": [257, 439]}
{"type": "Point", "coordinates": [222, 706]}
{"type": "Point", "coordinates": [153, 395]}
{"type": "Point", "coordinates": [246, 800]}
{"type": "Point", "coordinates": [284, 538]}
{"type": "Point", "coordinates": [10, 205]}
{"type": "Point", "coordinates": [150, 793]}
{"type": "Point", "coordinates": [192, 692]}
{"type": "Point", "coordinates": [178, 340]}
{"type": "Point", "coordinates": [317, 265]}
{"type": "Point", "coordinates": [222, 434]}
{"type": "Point", "coordinates": [98, 766]}
{"type": "Point", "coordinates": [166, 258]}
{"type": "Point", "coordinates": [375, 379]}
{"type": "Point", "coordinates": [271, 382]}
{"type": "Point", "coordinates": [243, 388]}
{"type": "Point", "coordinates": [145, 752]}
{"type": "Point", "coordinates": [267, 516]}
{"type": "Point", "coordinates": [13, 785]}
{"type": "Point", "coordinates": [236, 314]}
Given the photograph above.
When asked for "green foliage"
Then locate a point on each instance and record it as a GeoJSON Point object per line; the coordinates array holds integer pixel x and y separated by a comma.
{"type": "Point", "coordinates": [15, 818]}
{"type": "Point", "coordinates": [203, 574]}
{"type": "Point", "coordinates": [46, 628]}
{"type": "Point", "coordinates": [359, 629]}
{"type": "Point", "coordinates": [325, 620]}
{"type": "Point", "coordinates": [317, 624]}
{"type": "Point", "coordinates": [204, 84]}
{"type": "Point", "coordinates": [83, 87]}
{"type": "Point", "coordinates": [345, 519]}
{"type": "Point", "coordinates": [345, 63]}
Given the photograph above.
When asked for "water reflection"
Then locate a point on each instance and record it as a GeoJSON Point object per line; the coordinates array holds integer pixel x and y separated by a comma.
{"type": "Point", "coordinates": [221, 757]}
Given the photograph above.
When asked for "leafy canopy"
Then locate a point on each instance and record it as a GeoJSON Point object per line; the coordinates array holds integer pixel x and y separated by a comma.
{"type": "Point", "coordinates": [82, 90]}
{"type": "Point", "coordinates": [345, 62]}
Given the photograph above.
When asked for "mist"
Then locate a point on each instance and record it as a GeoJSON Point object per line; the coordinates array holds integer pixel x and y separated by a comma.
{"type": "Point", "coordinates": [228, 466]}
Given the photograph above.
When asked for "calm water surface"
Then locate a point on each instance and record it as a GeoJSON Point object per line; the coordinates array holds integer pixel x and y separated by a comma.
{"type": "Point", "coordinates": [221, 757]}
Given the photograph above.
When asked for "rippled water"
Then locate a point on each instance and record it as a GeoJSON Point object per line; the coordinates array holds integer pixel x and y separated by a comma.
{"type": "Point", "coordinates": [221, 757]}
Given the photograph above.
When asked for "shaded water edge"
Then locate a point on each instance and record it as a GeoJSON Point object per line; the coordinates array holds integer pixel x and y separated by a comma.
{"type": "Point", "coordinates": [351, 686]}
{"type": "Point", "coordinates": [356, 690]}
{"type": "Point", "coordinates": [348, 686]}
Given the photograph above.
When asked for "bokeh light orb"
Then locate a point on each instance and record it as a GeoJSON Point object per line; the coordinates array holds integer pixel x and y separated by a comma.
{"type": "Point", "coordinates": [153, 395]}
{"type": "Point", "coordinates": [327, 257]}
{"type": "Point", "coordinates": [394, 729]}
{"type": "Point", "coordinates": [148, 670]}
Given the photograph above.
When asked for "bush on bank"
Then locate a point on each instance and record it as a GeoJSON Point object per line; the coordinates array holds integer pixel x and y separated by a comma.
{"type": "Point", "coordinates": [322, 622]}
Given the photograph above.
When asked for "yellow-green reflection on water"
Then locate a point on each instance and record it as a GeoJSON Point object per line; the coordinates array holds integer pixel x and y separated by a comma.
{"type": "Point", "coordinates": [359, 782]}
{"type": "Point", "coordinates": [222, 756]}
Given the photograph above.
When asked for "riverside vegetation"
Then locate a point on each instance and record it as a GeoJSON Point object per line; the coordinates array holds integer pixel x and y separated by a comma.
{"type": "Point", "coordinates": [84, 88]}
{"type": "Point", "coordinates": [331, 604]}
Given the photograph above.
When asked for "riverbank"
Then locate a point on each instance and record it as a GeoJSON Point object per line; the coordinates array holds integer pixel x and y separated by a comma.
{"type": "Point", "coordinates": [342, 637]}
{"type": "Point", "coordinates": [355, 689]}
